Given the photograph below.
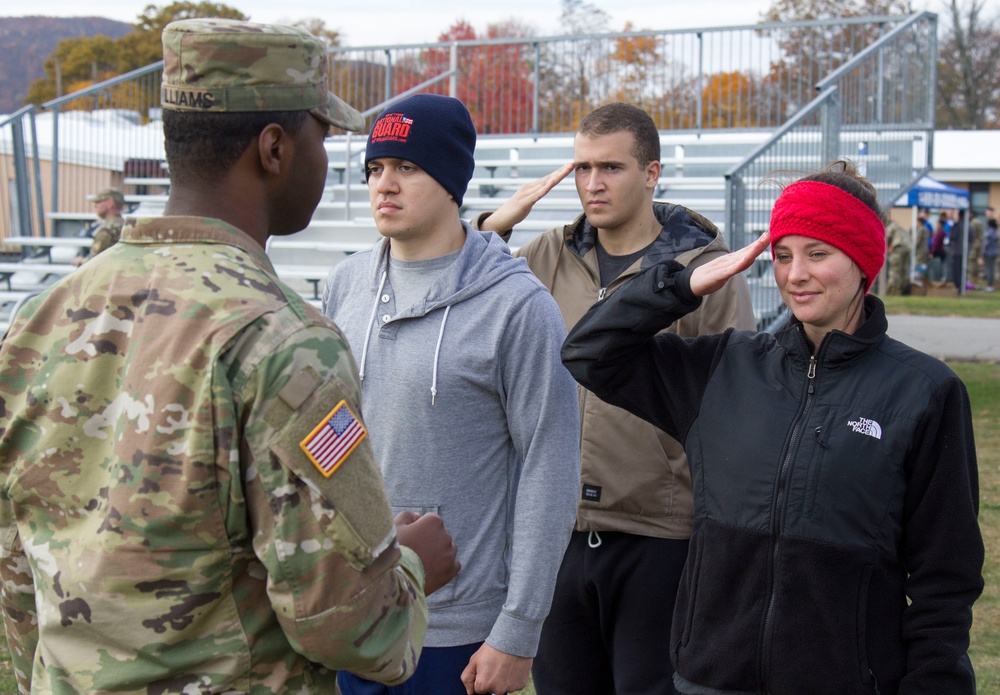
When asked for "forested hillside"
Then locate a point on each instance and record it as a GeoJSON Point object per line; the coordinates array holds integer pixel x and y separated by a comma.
{"type": "Point", "coordinates": [26, 42]}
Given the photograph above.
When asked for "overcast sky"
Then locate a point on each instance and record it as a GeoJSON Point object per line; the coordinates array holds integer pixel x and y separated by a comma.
{"type": "Point", "coordinates": [369, 22]}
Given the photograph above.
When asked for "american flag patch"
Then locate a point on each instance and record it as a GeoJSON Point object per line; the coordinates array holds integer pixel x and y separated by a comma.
{"type": "Point", "coordinates": [333, 440]}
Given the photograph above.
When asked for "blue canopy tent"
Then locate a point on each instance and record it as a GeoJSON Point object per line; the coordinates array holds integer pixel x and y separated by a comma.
{"type": "Point", "coordinates": [933, 194]}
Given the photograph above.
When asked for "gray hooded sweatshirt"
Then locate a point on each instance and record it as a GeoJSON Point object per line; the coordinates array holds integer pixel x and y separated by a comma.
{"type": "Point", "coordinates": [470, 410]}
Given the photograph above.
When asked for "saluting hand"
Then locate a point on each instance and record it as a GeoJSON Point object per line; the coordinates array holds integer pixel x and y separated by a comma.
{"type": "Point", "coordinates": [517, 207]}
{"type": "Point", "coordinates": [712, 276]}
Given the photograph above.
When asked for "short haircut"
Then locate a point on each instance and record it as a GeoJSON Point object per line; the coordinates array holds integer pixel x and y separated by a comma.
{"type": "Point", "coordinates": [620, 117]}
{"type": "Point", "coordinates": [204, 146]}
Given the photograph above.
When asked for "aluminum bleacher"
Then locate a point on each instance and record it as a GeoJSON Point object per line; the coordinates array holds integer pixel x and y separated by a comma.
{"type": "Point", "coordinates": [693, 175]}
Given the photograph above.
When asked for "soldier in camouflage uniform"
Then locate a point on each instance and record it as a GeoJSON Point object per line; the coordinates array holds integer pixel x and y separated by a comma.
{"type": "Point", "coordinates": [921, 244]}
{"type": "Point", "coordinates": [189, 499]}
{"type": "Point", "coordinates": [897, 240]}
{"type": "Point", "coordinates": [975, 249]}
{"type": "Point", "coordinates": [108, 205]}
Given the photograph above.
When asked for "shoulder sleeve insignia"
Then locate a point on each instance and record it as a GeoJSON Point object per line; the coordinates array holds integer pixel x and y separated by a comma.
{"type": "Point", "coordinates": [333, 439]}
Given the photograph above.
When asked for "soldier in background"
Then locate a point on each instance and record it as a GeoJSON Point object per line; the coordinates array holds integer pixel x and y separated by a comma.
{"type": "Point", "coordinates": [921, 246]}
{"type": "Point", "coordinates": [108, 205]}
{"type": "Point", "coordinates": [897, 240]}
{"type": "Point", "coordinates": [190, 502]}
{"type": "Point", "coordinates": [975, 277]}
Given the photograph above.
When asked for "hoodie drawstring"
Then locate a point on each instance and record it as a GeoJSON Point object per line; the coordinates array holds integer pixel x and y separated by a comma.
{"type": "Point", "coordinates": [368, 338]}
{"type": "Point", "coordinates": [368, 333]}
{"type": "Point", "coordinates": [437, 352]}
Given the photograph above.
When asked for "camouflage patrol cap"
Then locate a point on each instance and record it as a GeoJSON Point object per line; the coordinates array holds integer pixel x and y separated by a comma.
{"type": "Point", "coordinates": [108, 194]}
{"type": "Point", "coordinates": [224, 65]}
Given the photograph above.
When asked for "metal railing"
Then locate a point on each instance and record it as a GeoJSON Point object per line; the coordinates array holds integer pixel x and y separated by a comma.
{"type": "Point", "coordinates": [747, 77]}
{"type": "Point", "coordinates": [877, 110]}
{"type": "Point", "coordinates": [106, 135]}
{"type": "Point", "coordinates": [692, 79]}
{"type": "Point", "coordinates": [21, 207]}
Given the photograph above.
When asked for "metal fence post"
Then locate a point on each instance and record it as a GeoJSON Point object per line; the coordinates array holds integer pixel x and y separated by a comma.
{"type": "Point", "coordinates": [880, 95]}
{"type": "Point", "coordinates": [388, 73]}
{"type": "Point", "coordinates": [701, 79]}
{"type": "Point", "coordinates": [347, 177]}
{"type": "Point", "coordinates": [37, 177]}
{"type": "Point", "coordinates": [21, 181]}
{"type": "Point", "coordinates": [55, 159]}
{"type": "Point", "coordinates": [537, 89]}
{"type": "Point", "coordinates": [932, 92]}
{"type": "Point", "coordinates": [830, 115]}
{"type": "Point", "coordinates": [453, 82]}
{"type": "Point", "coordinates": [736, 213]}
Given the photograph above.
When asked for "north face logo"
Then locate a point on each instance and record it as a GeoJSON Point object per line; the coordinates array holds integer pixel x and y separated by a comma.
{"type": "Point", "coordinates": [865, 426]}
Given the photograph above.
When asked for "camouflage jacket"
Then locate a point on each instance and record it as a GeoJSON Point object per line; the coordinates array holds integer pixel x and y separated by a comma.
{"type": "Point", "coordinates": [896, 236]}
{"type": "Point", "coordinates": [164, 529]}
{"type": "Point", "coordinates": [107, 235]}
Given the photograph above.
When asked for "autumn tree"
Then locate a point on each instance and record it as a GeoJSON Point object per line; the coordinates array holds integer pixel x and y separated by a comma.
{"type": "Point", "coordinates": [494, 78]}
{"type": "Point", "coordinates": [810, 53]}
{"type": "Point", "coordinates": [76, 63]}
{"type": "Point", "coordinates": [727, 100]}
{"type": "Point", "coordinates": [678, 106]}
{"type": "Point", "coordinates": [632, 64]}
{"type": "Point", "coordinates": [80, 62]}
{"type": "Point", "coordinates": [968, 79]}
{"type": "Point", "coordinates": [573, 69]}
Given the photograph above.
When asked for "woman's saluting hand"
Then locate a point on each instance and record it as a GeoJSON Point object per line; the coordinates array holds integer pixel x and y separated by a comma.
{"type": "Point", "coordinates": [711, 277]}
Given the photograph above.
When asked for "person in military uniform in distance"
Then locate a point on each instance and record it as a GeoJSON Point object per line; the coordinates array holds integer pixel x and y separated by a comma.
{"type": "Point", "coordinates": [975, 276]}
{"type": "Point", "coordinates": [189, 498]}
{"type": "Point", "coordinates": [897, 239]}
{"type": "Point", "coordinates": [921, 246]}
{"type": "Point", "coordinates": [108, 205]}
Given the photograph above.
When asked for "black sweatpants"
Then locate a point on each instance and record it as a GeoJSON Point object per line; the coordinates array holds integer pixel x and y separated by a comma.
{"type": "Point", "coordinates": [608, 632]}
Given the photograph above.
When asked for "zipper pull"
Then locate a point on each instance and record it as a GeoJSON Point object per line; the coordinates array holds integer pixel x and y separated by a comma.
{"type": "Point", "coordinates": [600, 295]}
{"type": "Point", "coordinates": [811, 374]}
{"type": "Point", "coordinates": [819, 438]}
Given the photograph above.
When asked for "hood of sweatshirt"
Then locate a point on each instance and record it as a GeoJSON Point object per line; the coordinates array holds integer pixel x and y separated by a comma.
{"type": "Point", "coordinates": [483, 261]}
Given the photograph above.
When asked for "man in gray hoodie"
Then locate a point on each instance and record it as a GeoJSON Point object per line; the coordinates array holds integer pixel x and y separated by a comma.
{"type": "Point", "coordinates": [471, 412]}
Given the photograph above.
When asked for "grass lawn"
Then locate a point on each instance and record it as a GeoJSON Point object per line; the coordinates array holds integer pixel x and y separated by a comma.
{"type": "Point", "coordinates": [977, 304]}
{"type": "Point", "coordinates": [983, 382]}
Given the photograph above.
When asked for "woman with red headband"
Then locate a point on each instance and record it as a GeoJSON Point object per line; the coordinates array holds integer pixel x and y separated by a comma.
{"type": "Point", "coordinates": [836, 548]}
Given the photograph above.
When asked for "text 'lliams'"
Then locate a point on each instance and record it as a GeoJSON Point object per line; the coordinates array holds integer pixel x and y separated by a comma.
{"type": "Point", "coordinates": [189, 98]}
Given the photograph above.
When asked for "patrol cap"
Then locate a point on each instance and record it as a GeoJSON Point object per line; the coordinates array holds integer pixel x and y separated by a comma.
{"type": "Point", "coordinates": [108, 194]}
{"type": "Point", "coordinates": [225, 65]}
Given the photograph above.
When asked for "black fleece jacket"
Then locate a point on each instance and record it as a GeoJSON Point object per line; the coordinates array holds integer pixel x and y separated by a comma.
{"type": "Point", "coordinates": [836, 548]}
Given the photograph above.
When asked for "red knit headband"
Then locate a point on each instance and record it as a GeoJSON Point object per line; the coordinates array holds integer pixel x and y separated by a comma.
{"type": "Point", "coordinates": [832, 215]}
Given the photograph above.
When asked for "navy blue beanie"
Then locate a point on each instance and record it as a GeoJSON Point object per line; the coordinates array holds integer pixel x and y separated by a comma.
{"type": "Point", "coordinates": [434, 132]}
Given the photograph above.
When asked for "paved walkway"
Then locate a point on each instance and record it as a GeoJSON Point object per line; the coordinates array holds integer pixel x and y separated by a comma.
{"type": "Point", "coordinates": [949, 337]}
